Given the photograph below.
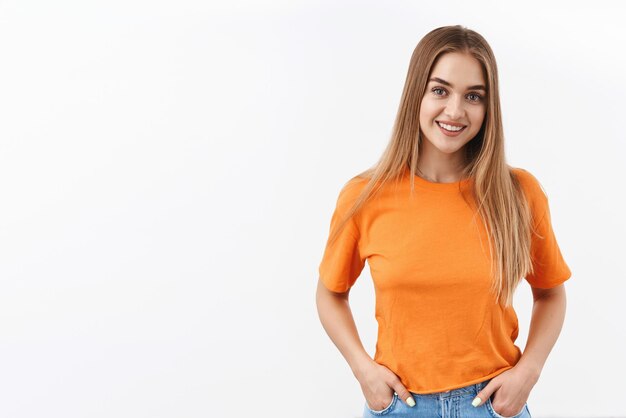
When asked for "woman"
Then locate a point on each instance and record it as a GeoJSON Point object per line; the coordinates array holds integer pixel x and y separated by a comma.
{"type": "Point", "coordinates": [448, 230]}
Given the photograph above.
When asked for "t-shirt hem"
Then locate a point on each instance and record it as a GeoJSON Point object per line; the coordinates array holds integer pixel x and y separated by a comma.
{"type": "Point", "coordinates": [461, 385]}
{"type": "Point", "coordinates": [333, 287]}
{"type": "Point", "coordinates": [554, 283]}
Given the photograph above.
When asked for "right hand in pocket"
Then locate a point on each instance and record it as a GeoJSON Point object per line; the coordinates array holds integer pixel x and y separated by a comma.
{"type": "Point", "coordinates": [378, 384]}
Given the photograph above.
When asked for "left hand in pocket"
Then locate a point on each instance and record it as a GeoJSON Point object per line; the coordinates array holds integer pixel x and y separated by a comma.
{"type": "Point", "coordinates": [511, 389]}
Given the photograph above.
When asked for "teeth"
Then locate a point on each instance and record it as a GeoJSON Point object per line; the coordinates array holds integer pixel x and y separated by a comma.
{"type": "Point", "coordinates": [450, 127]}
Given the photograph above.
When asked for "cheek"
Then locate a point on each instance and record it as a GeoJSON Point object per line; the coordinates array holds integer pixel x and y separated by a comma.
{"type": "Point", "coordinates": [477, 119]}
{"type": "Point", "coordinates": [428, 112]}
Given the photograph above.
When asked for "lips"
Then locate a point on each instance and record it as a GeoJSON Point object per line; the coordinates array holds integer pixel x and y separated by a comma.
{"type": "Point", "coordinates": [450, 123]}
{"type": "Point", "coordinates": [450, 133]}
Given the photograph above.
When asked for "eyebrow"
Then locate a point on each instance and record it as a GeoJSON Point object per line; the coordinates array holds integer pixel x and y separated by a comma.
{"type": "Point", "coordinates": [442, 81]}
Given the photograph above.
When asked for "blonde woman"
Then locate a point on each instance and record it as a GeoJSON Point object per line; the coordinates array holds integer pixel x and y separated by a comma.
{"type": "Point", "coordinates": [448, 230]}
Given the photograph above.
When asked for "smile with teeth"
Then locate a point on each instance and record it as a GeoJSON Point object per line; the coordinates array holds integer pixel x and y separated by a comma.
{"type": "Point", "coordinates": [450, 127]}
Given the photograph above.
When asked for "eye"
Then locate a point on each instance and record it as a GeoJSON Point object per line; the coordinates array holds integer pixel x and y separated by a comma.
{"type": "Point", "coordinates": [478, 97]}
{"type": "Point", "coordinates": [437, 88]}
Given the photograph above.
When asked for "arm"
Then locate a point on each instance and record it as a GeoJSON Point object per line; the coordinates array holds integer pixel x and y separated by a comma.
{"type": "Point", "coordinates": [545, 326]}
{"type": "Point", "coordinates": [334, 311]}
{"type": "Point", "coordinates": [376, 380]}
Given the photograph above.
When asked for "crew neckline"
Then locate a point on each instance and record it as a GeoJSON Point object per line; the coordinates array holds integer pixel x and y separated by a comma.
{"type": "Point", "coordinates": [427, 184]}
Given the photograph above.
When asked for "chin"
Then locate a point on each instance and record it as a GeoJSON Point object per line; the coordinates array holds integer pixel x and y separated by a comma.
{"type": "Point", "coordinates": [447, 145]}
{"type": "Point", "coordinates": [448, 150]}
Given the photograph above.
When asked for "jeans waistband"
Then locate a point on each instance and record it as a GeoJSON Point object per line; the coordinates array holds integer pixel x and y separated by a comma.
{"type": "Point", "coordinates": [471, 389]}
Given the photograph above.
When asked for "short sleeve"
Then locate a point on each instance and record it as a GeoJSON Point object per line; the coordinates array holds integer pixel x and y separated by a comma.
{"type": "Point", "coordinates": [342, 262]}
{"type": "Point", "coordinates": [549, 265]}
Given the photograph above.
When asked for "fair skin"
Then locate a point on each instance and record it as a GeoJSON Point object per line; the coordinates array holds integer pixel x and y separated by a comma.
{"type": "Point", "coordinates": [452, 96]}
{"type": "Point", "coordinates": [440, 160]}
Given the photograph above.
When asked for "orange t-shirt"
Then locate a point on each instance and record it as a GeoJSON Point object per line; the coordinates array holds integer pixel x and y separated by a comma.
{"type": "Point", "coordinates": [439, 326]}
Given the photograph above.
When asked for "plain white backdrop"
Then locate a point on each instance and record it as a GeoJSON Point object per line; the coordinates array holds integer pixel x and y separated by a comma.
{"type": "Point", "coordinates": [168, 171]}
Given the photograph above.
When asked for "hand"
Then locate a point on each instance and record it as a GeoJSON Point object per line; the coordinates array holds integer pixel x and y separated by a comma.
{"type": "Point", "coordinates": [511, 389]}
{"type": "Point", "coordinates": [378, 384]}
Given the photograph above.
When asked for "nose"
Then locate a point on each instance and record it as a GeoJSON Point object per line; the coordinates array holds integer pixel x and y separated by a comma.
{"type": "Point", "coordinates": [454, 108]}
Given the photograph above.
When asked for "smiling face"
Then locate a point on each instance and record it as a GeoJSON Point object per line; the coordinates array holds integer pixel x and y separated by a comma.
{"type": "Point", "coordinates": [454, 96]}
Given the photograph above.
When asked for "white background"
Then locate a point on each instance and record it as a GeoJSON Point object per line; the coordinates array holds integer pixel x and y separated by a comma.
{"type": "Point", "coordinates": [168, 171]}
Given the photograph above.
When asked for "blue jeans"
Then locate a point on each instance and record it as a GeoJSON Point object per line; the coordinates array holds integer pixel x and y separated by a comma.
{"type": "Point", "coordinates": [455, 403]}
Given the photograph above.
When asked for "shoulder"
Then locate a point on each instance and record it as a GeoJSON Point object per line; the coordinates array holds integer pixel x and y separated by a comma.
{"type": "Point", "coordinates": [529, 183]}
{"type": "Point", "coordinates": [351, 190]}
{"type": "Point", "coordinates": [533, 190]}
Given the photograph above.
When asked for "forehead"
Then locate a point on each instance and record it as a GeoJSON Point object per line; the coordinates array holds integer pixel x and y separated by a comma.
{"type": "Point", "coordinates": [460, 69]}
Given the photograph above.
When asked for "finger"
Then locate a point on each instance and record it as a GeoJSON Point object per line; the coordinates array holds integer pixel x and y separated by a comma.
{"type": "Point", "coordinates": [403, 393]}
{"type": "Point", "coordinates": [485, 393]}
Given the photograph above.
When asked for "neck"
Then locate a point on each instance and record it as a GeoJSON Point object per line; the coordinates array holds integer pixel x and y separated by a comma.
{"type": "Point", "coordinates": [443, 168]}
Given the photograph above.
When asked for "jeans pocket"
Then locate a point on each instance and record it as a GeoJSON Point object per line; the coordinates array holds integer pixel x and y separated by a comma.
{"type": "Point", "coordinates": [387, 409]}
{"type": "Point", "coordinates": [523, 413]}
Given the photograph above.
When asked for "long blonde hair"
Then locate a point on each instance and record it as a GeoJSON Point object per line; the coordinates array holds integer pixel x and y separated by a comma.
{"type": "Point", "coordinates": [502, 207]}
